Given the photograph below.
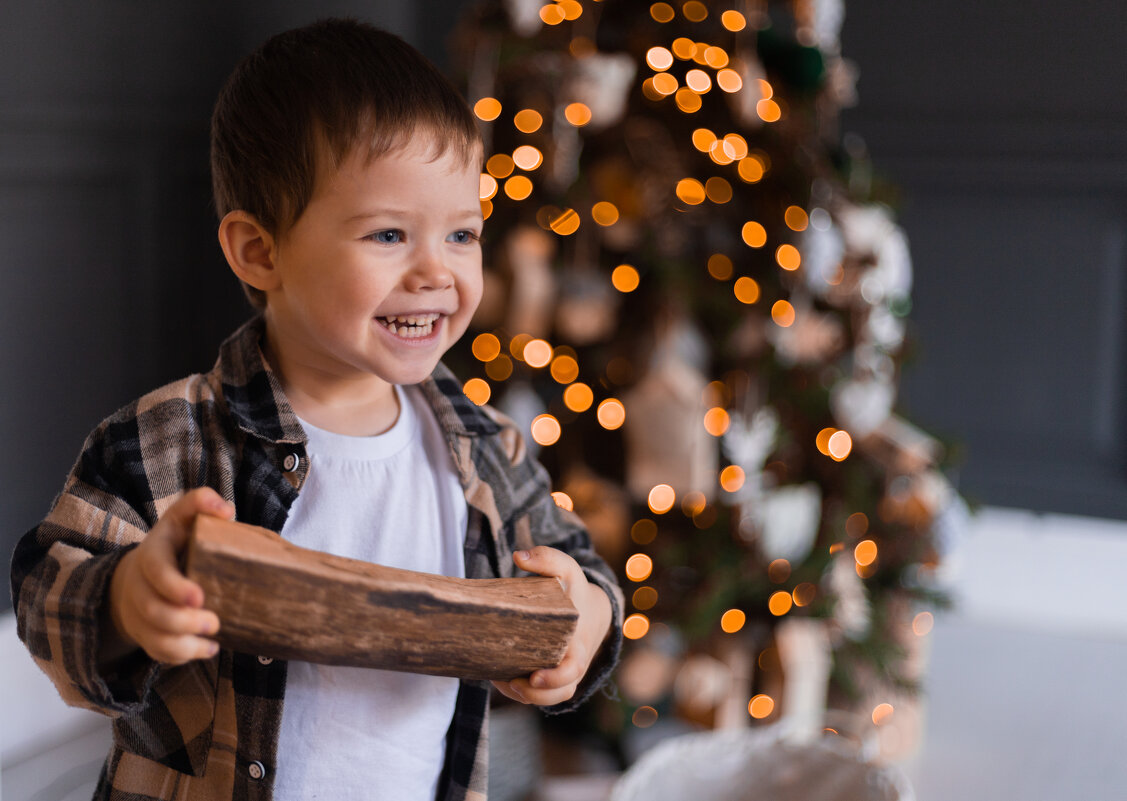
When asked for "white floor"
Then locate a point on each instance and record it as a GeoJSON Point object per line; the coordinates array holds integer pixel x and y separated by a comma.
{"type": "Point", "coordinates": [1026, 698]}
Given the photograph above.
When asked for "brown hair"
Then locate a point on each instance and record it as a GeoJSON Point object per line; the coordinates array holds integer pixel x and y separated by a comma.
{"type": "Point", "coordinates": [318, 92]}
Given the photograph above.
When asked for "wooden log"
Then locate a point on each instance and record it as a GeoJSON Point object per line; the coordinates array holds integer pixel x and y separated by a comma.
{"type": "Point", "coordinates": [278, 600]}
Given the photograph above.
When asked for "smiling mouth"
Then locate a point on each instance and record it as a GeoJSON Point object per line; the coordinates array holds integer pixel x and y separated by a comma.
{"type": "Point", "coordinates": [411, 326]}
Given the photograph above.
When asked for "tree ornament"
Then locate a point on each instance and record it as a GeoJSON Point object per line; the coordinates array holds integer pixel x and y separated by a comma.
{"type": "Point", "coordinates": [851, 613]}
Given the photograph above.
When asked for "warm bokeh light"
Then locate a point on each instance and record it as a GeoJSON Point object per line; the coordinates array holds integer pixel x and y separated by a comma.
{"type": "Point", "coordinates": [604, 213]}
{"type": "Point", "coordinates": [644, 717]}
{"type": "Point", "coordinates": [643, 531]}
{"type": "Point", "coordinates": [768, 110]}
{"type": "Point", "coordinates": [716, 421]}
{"type": "Point", "coordinates": [625, 278]}
{"type": "Point", "coordinates": [922, 623]}
{"type": "Point", "coordinates": [857, 524]}
{"type": "Point", "coordinates": [486, 209]}
{"type": "Point", "coordinates": [840, 445]}
{"type": "Point", "coordinates": [746, 290]}
{"type": "Point", "coordinates": [518, 187]}
{"type": "Point", "coordinates": [732, 478]}
{"type": "Point", "coordinates": [487, 109]}
{"type": "Point", "coordinates": [516, 345]}
{"type": "Point", "coordinates": [732, 621]}
{"type": "Point", "coordinates": [662, 12]}
{"type": "Point", "coordinates": [578, 397]}
{"type": "Point", "coordinates": [552, 14]}
{"type": "Point", "coordinates": [581, 47]}
{"type": "Point", "coordinates": [486, 186]}
{"type": "Point", "coordinates": [782, 313]}
{"type": "Point", "coordinates": [644, 598]}
{"type": "Point", "coordinates": [761, 706]}
{"type": "Point", "coordinates": [687, 100]}
{"type": "Point", "coordinates": [500, 368]}
{"type": "Point", "coordinates": [565, 223]}
{"type": "Point", "coordinates": [796, 218]}
{"type": "Point", "coordinates": [661, 499]}
{"type": "Point", "coordinates": [528, 120]}
{"type": "Point", "coordinates": [664, 84]}
{"type": "Point", "coordinates": [733, 21]}
{"type": "Point", "coordinates": [545, 429]}
{"type": "Point", "coordinates": [778, 571]}
{"type": "Point", "coordinates": [572, 9]}
{"type": "Point", "coordinates": [635, 626]}
{"type": "Point", "coordinates": [477, 390]}
{"type": "Point", "coordinates": [565, 369]}
{"type": "Point", "coordinates": [822, 441]}
{"type": "Point", "coordinates": [537, 353]}
{"type": "Point", "coordinates": [693, 503]}
{"type": "Point", "coordinates": [805, 593]}
{"type": "Point", "coordinates": [729, 80]}
{"type": "Point", "coordinates": [578, 114]}
{"type": "Point", "coordinates": [527, 157]}
{"type": "Point", "coordinates": [563, 500]}
{"type": "Point", "coordinates": [865, 553]}
{"type": "Point", "coordinates": [721, 152]}
{"type": "Point", "coordinates": [788, 257]}
{"type": "Point", "coordinates": [718, 190]}
{"type": "Point", "coordinates": [780, 603]}
{"type": "Point", "coordinates": [754, 234]}
{"type": "Point", "coordinates": [716, 57]}
{"type": "Point", "coordinates": [695, 11]}
{"type": "Point", "coordinates": [720, 266]}
{"type": "Point", "coordinates": [683, 48]}
{"type": "Point", "coordinates": [611, 414]}
{"type": "Point", "coordinates": [751, 170]}
{"type": "Point", "coordinates": [639, 567]}
{"type": "Point", "coordinates": [766, 91]}
{"type": "Point", "coordinates": [882, 713]}
{"type": "Point", "coordinates": [703, 139]}
{"type": "Point", "coordinates": [659, 59]}
{"type": "Point", "coordinates": [486, 347]}
{"type": "Point", "coordinates": [691, 191]}
{"type": "Point", "coordinates": [697, 80]}
{"type": "Point", "coordinates": [500, 165]}
{"type": "Point", "coordinates": [735, 145]}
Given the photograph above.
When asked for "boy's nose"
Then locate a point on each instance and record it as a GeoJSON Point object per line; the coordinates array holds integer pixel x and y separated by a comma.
{"type": "Point", "coordinates": [429, 271]}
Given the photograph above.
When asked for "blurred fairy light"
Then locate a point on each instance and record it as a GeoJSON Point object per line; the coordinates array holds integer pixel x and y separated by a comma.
{"type": "Point", "coordinates": [563, 500]}
{"type": "Point", "coordinates": [746, 290]}
{"type": "Point", "coordinates": [499, 369]}
{"type": "Point", "coordinates": [882, 713]}
{"type": "Point", "coordinates": [639, 567]}
{"type": "Point", "coordinates": [486, 209]}
{"type": "Point", "coordinates": [625, 278]}
{"type": "Point", "coordinates": [659, 59]}
{"type": "Point", "coordinates": [729, 80]}
{"type": "Point", "coordinates": [732, 478]}
{"type": "Point", "coordinates": [500, 165]}
{"type": "Point", "coordinates": [716, 57]}
{"type": "Point", "coordinates": [565, 223]}
{"type": "Point", "coordinates": [552, 14]}
{"type": "Point", "coordinates": [822, 441]}
{"type": "Point", "coordinates": [751, 169]}
{"type": "Point", "coordinates": [761, 706]}
{"type": "Point", "coordinates": [720, 266]}
{"type": "Point", "coordinates": [865, 553]}
{"type": "Point", "coordinates": [703, 139]}
{"type": "Point", "coordinates": [518, 187]}
{"type": "Point", "coordinates": [733, 21]}
{"type": "Point", "coordinates": [754, 234]}
{"type": "Point", "coordinates": [611, 414]}
{"type": "Point", "coordinates": [487, 109]}
{"type": "Point", "coordinates": [635, 626]}
{"type": "Point", "coordinates": [718, 190]}
{"type": "Point", "coordinates": [517, 344]}
{"type": "Point", "coordinates": [796, 218]}
{"type": "Point", "coordinates": [732, 621]}
{"type": "Point", "coordinates": [487, 186]}
{"type": "Point", "coordinates": [486, 347]}
{"type": "Point", "coordinates": [922, 623]}
{"type": "Point", "coordinates": [693, 503]}
{"type": "Point", "coordinates": [664, 84]}
{"type": "Point", "coordinates": [545, 430]}
{"type": "Point", "coordinates": [604, 213]}
{"type": "Point", "coordinates": [661, 499]}
{"type": "Point", "coordinates": [644, 717]}
{"type": "Point", "coordinates": [778, 571]}
{"type": "Point", "coordinates": [687, 100]}
{"type": "Point", "coordinates": [696, 80]}
{"type": "Point", "coordinates": [804, 593]}
{"type": "Point", "coordinates": [716, 421]}
{"type": "Point", "coordinates": [662, 12]}
{"type": "Point", "coordinates": [578, 114]}
{"type": "Point", "coordinates": [779, 603]}
{"type": "Point", "coordinates": [644, 598]}
{"type": "Point", "coordinates": [857, 524]}
{"type": "Point", "coordinates": [695, 11]}
{"type": "Point", "coordinates": [644, 531]}
{"type": "Point", "coordinates": [768, 110]}
{"type": "Point", "coordinates": [684, 48]}
{"type": "Point", "coordinates": [527, 157]}
{"type": "Point", "coordinates": [782, 312]}
{"type": "Point", "coordinates": [565, 369]}
{"type": "Point", "coordinates": [578, 397]}
{"type": "Point", "coordinates": [735, 146]}
{"type": "Point", "coordinates": [788, 257]}
{"type": "Point", "coordinates": [840, 445]}
{"type": "Point", "coordinates": [477, 390]}
{"type": "Point", "coordinates": [691, 191]}
{"type": "Point", "coordinates": [538, 353]}
{"type": "Point", "coordinates": [528, 120]}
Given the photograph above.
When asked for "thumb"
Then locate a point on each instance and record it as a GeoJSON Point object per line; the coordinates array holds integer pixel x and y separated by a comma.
{"type": "Point", "coordinates": [201, 501]}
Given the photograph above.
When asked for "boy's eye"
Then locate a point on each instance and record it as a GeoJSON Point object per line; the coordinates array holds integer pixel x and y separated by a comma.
{"type": "Point", "coordinates": [463, 237]}
{"type": "Point", "coordinates": [389, 237]}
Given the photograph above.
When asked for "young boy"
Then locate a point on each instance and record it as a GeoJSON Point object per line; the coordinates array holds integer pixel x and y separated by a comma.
{"type": "Point", "coordinates": [346, 172]}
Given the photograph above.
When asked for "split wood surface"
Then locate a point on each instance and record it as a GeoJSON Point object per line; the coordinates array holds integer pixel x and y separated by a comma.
{"type": "Point", "coordinates": [278, 600]}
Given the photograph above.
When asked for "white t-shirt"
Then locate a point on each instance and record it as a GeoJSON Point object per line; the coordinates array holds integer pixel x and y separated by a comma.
{"type": "Point", "coordinates": [392, 499]}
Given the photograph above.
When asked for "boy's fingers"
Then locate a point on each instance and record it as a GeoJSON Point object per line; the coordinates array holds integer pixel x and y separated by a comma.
{"type": "Point", "coordinates": [551, 562]}
{"type": "Point", "coordinates": [176, 650]}
{"type": "Point", "coordinates": [506, 689]}
{"type": "Point", "coordinates": [165, 618]}
{"type": "Point", "coordinates": [568, 672]}
{"type": "Point", "coordinates": [158, 566]}
{"type": "Point", "coordinates": [177, 519]}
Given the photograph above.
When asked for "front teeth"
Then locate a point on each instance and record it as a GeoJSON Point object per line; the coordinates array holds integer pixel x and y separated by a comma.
{"type": "Point", "coordinates": [411, 326]}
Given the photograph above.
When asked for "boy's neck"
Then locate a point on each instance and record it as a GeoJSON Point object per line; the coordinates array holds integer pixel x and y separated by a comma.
{"type": "Point", "coordinates": [358, 407]}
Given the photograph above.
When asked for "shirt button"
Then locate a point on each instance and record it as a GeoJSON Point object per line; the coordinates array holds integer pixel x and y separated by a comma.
{"type": "Point", "coordinates": [256, 770]}
{"type": "Point", "coordinates": [265, 660]}
{"type": "Point", "coordinates": [290, 463]}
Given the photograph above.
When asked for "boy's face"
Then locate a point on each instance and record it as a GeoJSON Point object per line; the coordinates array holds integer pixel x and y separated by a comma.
{"type": "Point", "coordinates": [381, 273]}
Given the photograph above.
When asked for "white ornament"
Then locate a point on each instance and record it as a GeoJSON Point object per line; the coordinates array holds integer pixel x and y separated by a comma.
{"type": "Point", "coordinates": [822, 249]}
{"type": "Point", "coordinates": [861, 406]}
{"type": "Point", "coordinates": [828, 18]}
{"type": "Point", "coordinates": [602, 82]}
{"type": "Point", "coordinates": [885, 329]}
{"type": "Point", "coordinates": [789, 518]}
{"type": "Point", "coordinates": [852, 611]}
{"type": "Point", "coordinates": [525, 16]}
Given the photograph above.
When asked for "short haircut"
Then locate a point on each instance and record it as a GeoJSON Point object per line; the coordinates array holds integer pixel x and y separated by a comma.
{"type": "Point", "coordinates": [315, 94]}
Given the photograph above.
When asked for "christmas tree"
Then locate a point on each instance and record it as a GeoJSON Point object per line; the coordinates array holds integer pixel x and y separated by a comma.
{"type": "Point", "coordinates": [696, 307]}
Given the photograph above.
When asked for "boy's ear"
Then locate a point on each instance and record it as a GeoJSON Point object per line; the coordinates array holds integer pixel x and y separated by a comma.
{"type": "Point", "coordinates": [249, 249]}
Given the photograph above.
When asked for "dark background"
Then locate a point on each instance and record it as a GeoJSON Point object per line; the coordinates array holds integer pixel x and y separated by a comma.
{"type": "Point", "coordinates": [1003, 125]}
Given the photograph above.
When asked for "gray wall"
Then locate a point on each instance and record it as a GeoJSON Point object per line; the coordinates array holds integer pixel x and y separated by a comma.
{"type": "Point", "coordinates": [1004, 124]}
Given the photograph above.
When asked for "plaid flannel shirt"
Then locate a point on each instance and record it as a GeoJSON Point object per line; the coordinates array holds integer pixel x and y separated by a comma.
{"type": "Point", "coordinates": [208, 729]}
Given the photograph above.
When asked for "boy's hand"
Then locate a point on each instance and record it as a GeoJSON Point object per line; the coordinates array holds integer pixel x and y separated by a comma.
{"type": "Point", "coordinates": [555, 685]}
{"type": "Point", "coordinates": [152, 605]}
